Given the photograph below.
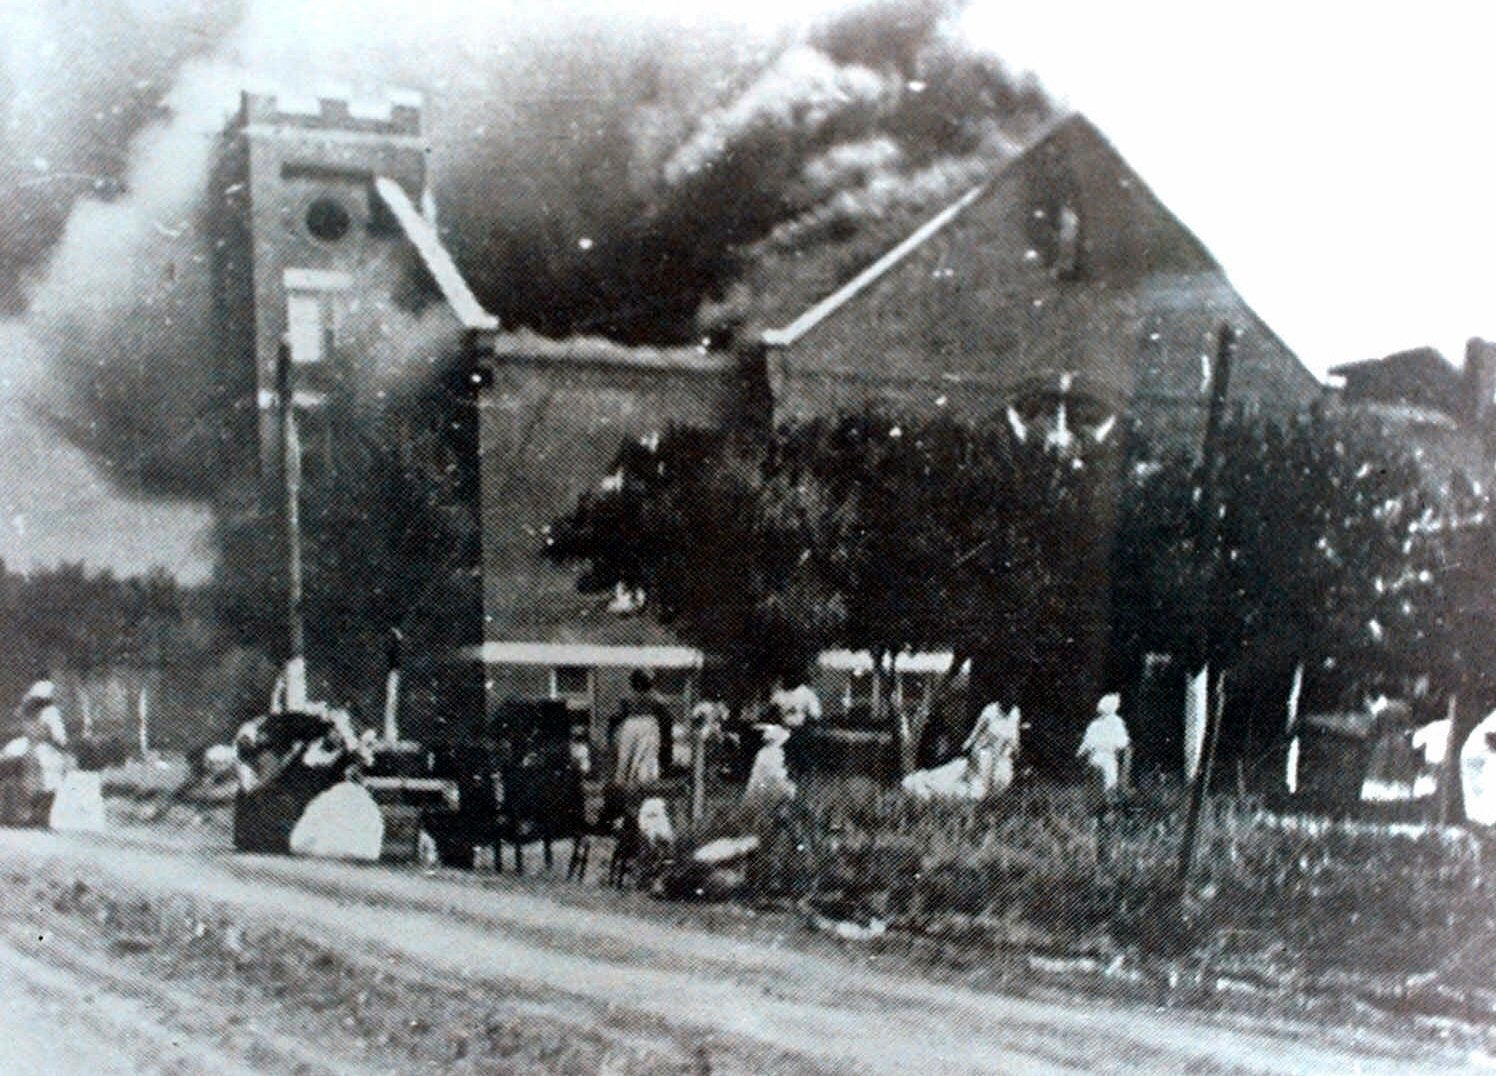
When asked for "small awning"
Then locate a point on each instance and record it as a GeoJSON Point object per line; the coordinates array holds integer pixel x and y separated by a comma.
{"type": "Point", "coordinates": [589, 655]}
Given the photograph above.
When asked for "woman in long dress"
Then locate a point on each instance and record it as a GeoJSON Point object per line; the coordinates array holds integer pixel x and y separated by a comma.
{"type": "Point", "coordinates": [985, 765]}
{"type": "Point", "coordinates": [638, 743]}
{"type": "Point", "coordinates": [769, 782]}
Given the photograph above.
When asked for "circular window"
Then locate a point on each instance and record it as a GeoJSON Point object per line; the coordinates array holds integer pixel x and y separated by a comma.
{"type": "Point", "coordinates": [327, 220]}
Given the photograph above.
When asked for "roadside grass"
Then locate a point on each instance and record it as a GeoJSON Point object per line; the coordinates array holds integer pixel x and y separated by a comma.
{"type": "Point", "coordinates": [1041, 868]}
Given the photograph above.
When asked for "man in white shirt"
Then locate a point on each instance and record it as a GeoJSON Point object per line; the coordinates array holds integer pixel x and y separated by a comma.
{"type": "Point", "coordinates": [796, 705]}
{"type": "Point", "coordinates": [1106, 746]}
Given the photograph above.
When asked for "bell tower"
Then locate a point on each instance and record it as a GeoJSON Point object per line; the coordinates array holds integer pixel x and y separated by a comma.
{"type": "Point", "coordinates": [299, 218]}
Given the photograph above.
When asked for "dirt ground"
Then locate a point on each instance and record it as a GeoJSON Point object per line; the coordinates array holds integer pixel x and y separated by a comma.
{"type": "Point", "coordinates": [142, 953]}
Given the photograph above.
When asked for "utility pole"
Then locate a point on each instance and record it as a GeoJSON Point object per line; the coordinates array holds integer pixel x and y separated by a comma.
{"type": "Point", "coordinates": [296, 698]}
{"type": "Point", "coordinates": [1449, 767]}
{"type": "Point", "coordinates": [1210, 529]}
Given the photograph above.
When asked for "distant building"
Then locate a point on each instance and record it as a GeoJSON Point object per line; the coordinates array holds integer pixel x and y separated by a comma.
{"type": "Point", "coordinates": [1444, 415]}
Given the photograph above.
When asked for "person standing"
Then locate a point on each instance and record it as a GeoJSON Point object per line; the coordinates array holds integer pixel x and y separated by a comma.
{"type": "Point", "coordinates": [799, 711]}
{"type": "Point", "coordinates": [638, 740]}
{"type": "Point", "coordinates": [1478, 772]}
{"type": "Point", "coordinates": [992, 747]}
{"type": "Point", "coordinates": [769, 782]}
{"type": "Point", "coordinates": [798, 705]}
{"type": "Point", "coordinates": [43, 745]}
{"type": "Point", "coordinates": [1107, 747]}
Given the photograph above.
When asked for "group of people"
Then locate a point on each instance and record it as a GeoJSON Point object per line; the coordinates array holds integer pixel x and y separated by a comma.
{"type": "Point", "coordinates": [40, 782]}
{"type": "Point", "coordinates": [643, 730]}
{"type": "Point", "coordinates": [985, 765]}
{"type": "Point", "coordinates": [987, 762]}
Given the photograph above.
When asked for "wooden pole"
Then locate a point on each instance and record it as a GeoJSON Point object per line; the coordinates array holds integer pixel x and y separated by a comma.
{"type": "Point", "coordinates": [698, 769]}
{"type": "Point", "coordinates": [392, 689]}
{"type": "Point", "coordinates": [1449, 769]}
{"type": "Point", "coordinates": [296, 695]}
{"type": "Point", "coordinates": [143, 716]}
{"type": "Point", "coordinates": [1210, 529]}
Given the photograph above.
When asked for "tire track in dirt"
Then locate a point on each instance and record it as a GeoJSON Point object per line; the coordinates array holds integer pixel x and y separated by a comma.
{"type": "Point", "coordinates": [143, 1024]}
{"type": "Point", "coordinates": [758, 999]}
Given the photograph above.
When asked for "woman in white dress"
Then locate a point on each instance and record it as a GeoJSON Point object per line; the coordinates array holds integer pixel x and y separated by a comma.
{"type": "Point", "coordinates": [985, 765]}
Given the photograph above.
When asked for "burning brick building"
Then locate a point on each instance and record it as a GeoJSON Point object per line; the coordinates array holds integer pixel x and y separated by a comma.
{"type": "Point", "coordinates": [320, 230]}
{"type": "Point", "coordinates": [328, 256]}
{"type": "Point", "coordinates": [1059, 287]}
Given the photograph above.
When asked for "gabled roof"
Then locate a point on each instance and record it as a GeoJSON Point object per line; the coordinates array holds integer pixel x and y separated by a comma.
{"type": "Point", "coordinates": [1420, 377]}
{"type": "Point", "coordinates": [987, 289]}
{"type": "Point", "coordinates": [862, 281]}
{"type": "Point", "coordinates": [1056, 143]}
{"type": "Point", "coordinates": [435, 258]}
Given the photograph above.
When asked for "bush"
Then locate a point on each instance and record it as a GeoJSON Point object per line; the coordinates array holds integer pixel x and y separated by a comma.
{"type": "Point", "coordinates": [1040, 866]}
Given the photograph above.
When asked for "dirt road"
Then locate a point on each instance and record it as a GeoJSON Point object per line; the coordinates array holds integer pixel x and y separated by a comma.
{"type": "Point", "coordinates": [174, 959]}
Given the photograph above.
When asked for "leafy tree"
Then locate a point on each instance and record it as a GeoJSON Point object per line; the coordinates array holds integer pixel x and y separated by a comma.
{"type": "Point", "coordinates": [1054, 572]}
{"type": "Point", "coordinates": [389, 540]}
{"type": "Point", "coordinates": [865, 531]}
{"type": "Point", "coordinates": [1312, 564]}
{"type": "Point", "coordinates": [730, 550]}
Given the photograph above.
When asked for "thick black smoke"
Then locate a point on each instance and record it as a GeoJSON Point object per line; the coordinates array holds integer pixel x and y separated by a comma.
{"type": "Point", "coordinates": [595, 173]}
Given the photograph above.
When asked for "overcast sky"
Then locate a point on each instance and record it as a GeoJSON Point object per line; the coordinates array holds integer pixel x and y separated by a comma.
{"type": "Point", "coordinates": [1337, 159]}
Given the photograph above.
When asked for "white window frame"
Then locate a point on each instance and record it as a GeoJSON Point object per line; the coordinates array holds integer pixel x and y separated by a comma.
{"type": "Point", "coordinates": [587, 699]}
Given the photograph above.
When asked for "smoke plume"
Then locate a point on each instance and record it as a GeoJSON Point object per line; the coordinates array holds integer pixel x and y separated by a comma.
{"type": "Point", "coordinates": [596, 173]}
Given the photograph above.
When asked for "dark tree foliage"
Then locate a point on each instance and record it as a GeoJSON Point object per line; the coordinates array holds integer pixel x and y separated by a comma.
{"type": "Point", "coordinates": [1311, 550]}
{"type": "Point", "coordinates": [870, 532]}
{"type": "Point", "coordinates": [1449, 588]}
{"type": "Point", "coordinates": [1053, 572]}
{"type": "Point", "coordinates": [1314, 563]}
{"type": "Point", "coordinates": [731, 550]}
{"type": "Point", "coordinates": [68, 617]}
{"type": "Point", "coordinates": [969, 538]}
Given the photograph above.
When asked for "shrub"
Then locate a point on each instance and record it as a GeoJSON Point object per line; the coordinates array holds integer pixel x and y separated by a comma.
{"type": "Point", "coordinates": [1042, 866]}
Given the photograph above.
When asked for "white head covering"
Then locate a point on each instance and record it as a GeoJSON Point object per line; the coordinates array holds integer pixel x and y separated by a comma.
{"type": "Point", "coordinates": [1109, 704]}
{"type": "Point", "coordinates": [41, 691]}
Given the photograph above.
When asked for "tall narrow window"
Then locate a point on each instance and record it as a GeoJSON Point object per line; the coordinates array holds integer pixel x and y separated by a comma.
{"type": "Point", "coordinates": [306, 328]}
{"type": "Point", "coordinates": [1067, 244]}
